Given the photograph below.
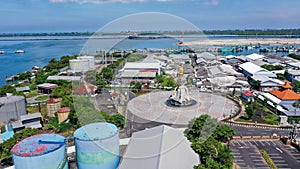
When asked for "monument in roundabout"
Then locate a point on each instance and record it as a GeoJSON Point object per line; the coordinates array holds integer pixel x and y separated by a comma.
{"type": "Point", "coordinates": [177, 108]}
{"type": "Point", "coordinates": [181, 96]}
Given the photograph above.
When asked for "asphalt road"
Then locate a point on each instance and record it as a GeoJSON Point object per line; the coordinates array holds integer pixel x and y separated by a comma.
{"type": "Point", "coordinates": [256, 131]}
{"type": "Point", "coordinates": [247, 155]}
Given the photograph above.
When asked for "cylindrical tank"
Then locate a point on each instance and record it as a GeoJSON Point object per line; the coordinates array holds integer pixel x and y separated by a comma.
{"type": "Point", "coordinates": [91, 60]}
{"type": "Point", "coordinates": [97, 146]}
{"type": "Point", "coordinates": [79, 65]}
{"type": "Point", "coordinates": [43, 151]}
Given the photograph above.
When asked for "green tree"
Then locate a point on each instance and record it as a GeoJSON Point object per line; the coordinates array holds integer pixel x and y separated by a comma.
{"type": "Point", "coordinates": [160, 78]}
{"type": "Point", "coordinates": [117, 119]}
{"type": "Point", "coordinates": [90, 76]}
{"type": "Point", "coordinates": [224, 133]}
{"type": "Point", "coordinates": [7, 89]}
{"type": "Point", "coordinates": [250, 110]}
{"type": "Point", "coordinates": [61, 91]}
{"type": "Point", "coordinates": [256, 85]}
{"type": "Point", "coordinates": [201, 128]}
{"type": "Point", "coordinates": [25, 75]}
{"type": "Point", "coordinates": [297, 104]}
{"type": "Point", "coordinates": [138, 86]}
{"type": "Point", "coordinates": [296, 86]}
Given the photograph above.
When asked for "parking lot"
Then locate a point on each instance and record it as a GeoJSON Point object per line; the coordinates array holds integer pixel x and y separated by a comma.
{"type": "Point", "coordinates": [246, 154]}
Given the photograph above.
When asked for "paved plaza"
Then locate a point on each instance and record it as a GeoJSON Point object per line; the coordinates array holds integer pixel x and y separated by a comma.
{"type": "Point", "coordinates": [152, 108]}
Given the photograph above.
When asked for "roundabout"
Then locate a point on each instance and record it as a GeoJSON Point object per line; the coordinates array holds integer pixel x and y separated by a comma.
{"type": "Point", "coordinates": [154, 108]}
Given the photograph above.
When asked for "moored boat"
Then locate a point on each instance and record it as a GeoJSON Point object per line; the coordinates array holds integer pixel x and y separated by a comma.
{"type": "Point", "coordinates": [2, 52]}
{"type": "Point", "coordinates": [20, 51]}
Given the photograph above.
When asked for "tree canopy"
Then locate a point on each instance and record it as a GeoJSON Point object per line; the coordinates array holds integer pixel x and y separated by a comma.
{"type": "Point", "coordinates": [207, 136]}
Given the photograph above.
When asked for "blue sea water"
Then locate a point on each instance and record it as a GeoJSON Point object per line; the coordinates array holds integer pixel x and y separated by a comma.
{"type": "Point", "coordinates": [36, 53]}
{"type": "Point", "coordinates": [39, 52]}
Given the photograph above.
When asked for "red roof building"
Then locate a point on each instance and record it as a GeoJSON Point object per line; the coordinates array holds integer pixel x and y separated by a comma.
{"type": "Point", "coordinates": [248, 93]}
{"type": "Point", "coordinates": [85, 89]}
{"type": "Point", "coordinates": [285, 93]}
{"type": "Point", "coordinates": [248, 96]}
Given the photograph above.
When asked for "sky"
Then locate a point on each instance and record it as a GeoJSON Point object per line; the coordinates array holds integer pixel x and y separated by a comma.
{"type": "Point", "coordinates": [22, 16]}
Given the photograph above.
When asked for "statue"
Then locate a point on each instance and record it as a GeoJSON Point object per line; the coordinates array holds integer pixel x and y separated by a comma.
{"type": "Point", "coordinates": [181, 96]}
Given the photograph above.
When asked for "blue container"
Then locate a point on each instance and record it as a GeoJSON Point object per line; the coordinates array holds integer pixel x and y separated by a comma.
{"type": "Point", "coordinates": [43, 151]}
{"type": "Point", "coordinates": [97, 146]}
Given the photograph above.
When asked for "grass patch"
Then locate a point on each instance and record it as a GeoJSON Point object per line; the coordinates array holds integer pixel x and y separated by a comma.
{"type": "Point", "coordinates": [262, 115]}
{"type": "Point", "coordinates": [45, 97]}
{"type": "Point", "coordinates": [268, 159]}
{"type": "Point", "coordinates": [32, 93]}
{"type": "Point", "coordinates": [35, 109]}
{"type": "Point", "coordinates": [271, 118]}
{"type": "Point", "coordinates": [135, 58]}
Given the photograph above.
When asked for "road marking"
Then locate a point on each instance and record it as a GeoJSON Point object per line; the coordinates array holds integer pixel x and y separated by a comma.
{"type": "Point", "coordinates": [276, 157]}
{"type": "Point", "coordinates": [261, 143]}
{"type": "Point", "coordinates": [267, 143]}
{"type": "Point", "coordinates": [279, 150]}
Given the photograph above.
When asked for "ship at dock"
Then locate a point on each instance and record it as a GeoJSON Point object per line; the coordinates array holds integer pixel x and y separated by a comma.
{"type": "Point", "coordinates": [146, 36]}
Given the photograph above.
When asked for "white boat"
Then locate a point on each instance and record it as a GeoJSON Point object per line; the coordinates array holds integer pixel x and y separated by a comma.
{"type": "Point", "coordinates": [2, 52]}
{"type": "Point", "coordinates": [20, 51]}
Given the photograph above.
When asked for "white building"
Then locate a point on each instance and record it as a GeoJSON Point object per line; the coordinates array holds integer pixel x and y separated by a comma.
{"type": "Point", "coordinates": [250, 69]}
{"type": "Point", "coordinates": [160, 147]}
{"type": "Point", "coordinates": [82, 64]}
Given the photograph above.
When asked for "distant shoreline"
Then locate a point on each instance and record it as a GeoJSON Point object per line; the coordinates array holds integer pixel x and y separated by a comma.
{"type": "Point", "coordinates": [244, 32]}
{"type": "Point", "coordinates": [234, 42]}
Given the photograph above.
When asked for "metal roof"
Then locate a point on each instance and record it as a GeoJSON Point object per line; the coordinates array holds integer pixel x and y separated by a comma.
{"type": "Point", "coordinates": [133, 74]}
{"type": "Point", "coordinates": [96, 131]}
{"type": "Point", "coordinates": [160, 147]}
{"type": "Point", "coordinates": [254, 69]}
{"type": "Point", "coordinates": [47, 85]}
{"type": "Point", "coordinates": [31, 116]}
{"type": "Point", "coordinates": [11, 99]}
{"type": "Point", "coordinates": [32, 146]}
{"type": "Point", "coordinates": [141, 65]}
{"type": "Point", "coordinates": [255, 56]}
{"type": "Point", "coordinates": [67, 78]}
{"type": "Point", "coordinates": [294, 72]}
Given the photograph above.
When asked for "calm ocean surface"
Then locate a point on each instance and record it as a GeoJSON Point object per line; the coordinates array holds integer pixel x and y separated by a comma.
{"type": "Point", "coordinates": [36, 53]}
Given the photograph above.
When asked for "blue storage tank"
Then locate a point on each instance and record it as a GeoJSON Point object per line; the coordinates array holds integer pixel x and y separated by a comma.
{"type": "Point", "coordinates": [43, 151]}
{"type": "Point", "coordinates": [97, 146]}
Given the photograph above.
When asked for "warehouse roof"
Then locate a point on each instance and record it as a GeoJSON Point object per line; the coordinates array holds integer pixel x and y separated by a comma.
{"type": "Point", "coordinates": [255, 56]}
{"type": "Point", "coordinates": [160, 147]}
{"type": "Point", "coordinates": [67, 78]}
{"type": "Point", "coordinates": [11, 99]}
{"type": "Point", "coordinates": [141, 65]}
{"type": "Point", "coordinates": [133, 74]}
{"type": "Point", "coordinates": [31, 116]}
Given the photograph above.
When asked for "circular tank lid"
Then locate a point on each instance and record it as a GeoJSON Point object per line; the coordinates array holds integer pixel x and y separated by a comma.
{"type": "Point", "coordinates": [96, 131]}
{"type": "Point", "coordinates": [38, 145]}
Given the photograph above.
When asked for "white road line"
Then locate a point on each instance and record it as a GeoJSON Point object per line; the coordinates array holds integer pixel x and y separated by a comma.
{"type": "Point", "coordinates": [267, 142]}
{"type": "Point", "coordinates": [261, 143]}
{"type": "Point", "coordinates": [279, 150]}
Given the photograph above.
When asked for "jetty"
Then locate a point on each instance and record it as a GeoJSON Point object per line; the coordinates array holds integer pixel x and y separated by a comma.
{"type": "Point", "coordinates": [12, 78]}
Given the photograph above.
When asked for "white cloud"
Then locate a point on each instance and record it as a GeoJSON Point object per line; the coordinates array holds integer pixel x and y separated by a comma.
{"type": "Point", "coordinates": [105, 1]}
